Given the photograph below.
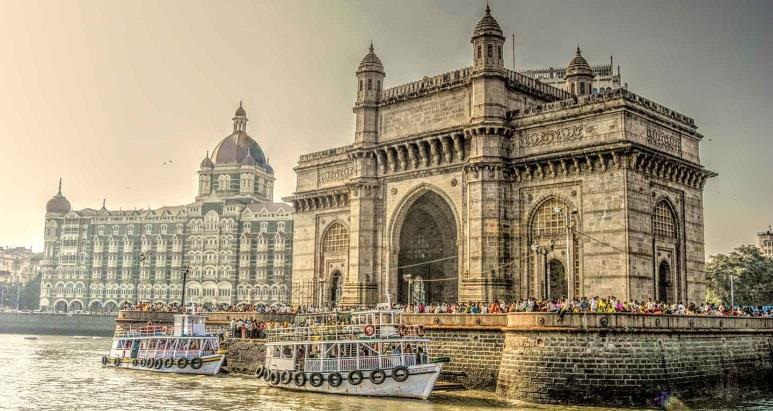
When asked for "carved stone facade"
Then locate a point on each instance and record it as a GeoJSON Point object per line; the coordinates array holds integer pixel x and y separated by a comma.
{"type": "Point", "coordinates": [485, 183]}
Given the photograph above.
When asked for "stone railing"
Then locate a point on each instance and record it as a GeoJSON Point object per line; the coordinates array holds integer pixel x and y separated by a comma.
{"type": "Point", "coordinates": [457, 320]}
{"type": "Point", "coordinates": [324, 153]}
{"type": "Point", "coordinates": [619, 93]}
{"type": "Point", "coordinates": [426, 85]}
{"type": "Point", "coordinates": [590, 321]}
{"type": "Point", "coordinates": [633, 322]}
{"type": "Point", "coordinates": [537, 87]}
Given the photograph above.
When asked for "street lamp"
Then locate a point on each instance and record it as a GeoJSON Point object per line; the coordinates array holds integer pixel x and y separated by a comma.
{"type": "Point", "coordinates": [186, 269]}
{"type": "Point", "coordinates": [138, 283]}
{"type": "Point", "coordinates": [408, 278]}
{"type": "Point", "coordinates": [321, 292]}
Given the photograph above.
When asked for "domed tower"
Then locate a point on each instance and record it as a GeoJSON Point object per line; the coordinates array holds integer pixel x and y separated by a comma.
{"type": "Point", "coordinates": [488, 71]}
{"type": "Point", "coordinates": [236, 164]}
{"type": "Point", "coordinates": [370, 82]}
{"type": "Point", "coordinates": [487, 43]}
{"type": "Point", "coordinates": [579, 76]}
{"type": "Point", "coordinates": [58, 204]}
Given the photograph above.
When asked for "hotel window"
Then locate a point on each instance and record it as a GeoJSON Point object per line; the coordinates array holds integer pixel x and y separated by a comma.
{"type": "Point", "coordinates": [163, 228]}
{"type": "Point", "coordinates": [101, 230]}
{"type": "Point", "coordinates": [130, 230]}
{"type": "Point", "coordinates": [263, 227]}
{"type": "Point", "coordinates": [490, 51]}
{"type": "Point", "coordinates": [148, 229]}
{"type": "Point", "coordinates": [280, 226]}
{"type": "Point", "coordinates": [115, 230]}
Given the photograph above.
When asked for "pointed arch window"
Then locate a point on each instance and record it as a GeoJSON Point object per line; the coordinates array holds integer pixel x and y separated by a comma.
{"type": "Point", "coordinates": [549, 220]}
{"type": "Point", "coordinates": [663, 221]}
{"type": "Point", "coordinates": [336, 239]}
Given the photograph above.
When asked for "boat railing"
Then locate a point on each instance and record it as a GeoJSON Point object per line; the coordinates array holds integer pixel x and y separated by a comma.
{"type": "Point", "coordinates": [359, 363]}
{"type": "Point", "coordinates": [342, 332]}
{"type": "Point", "coordinates": [161, 353]}
{"type": "Point", "coordinates": [314, 333]}
{"type": "Point", "coordinates": [149, 331]}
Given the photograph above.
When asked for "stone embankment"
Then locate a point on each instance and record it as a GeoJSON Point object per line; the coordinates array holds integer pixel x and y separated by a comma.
{"type": "Point", "coordinates": [57, 324]}
{"type": "Point", "coordinates": [604, 359]}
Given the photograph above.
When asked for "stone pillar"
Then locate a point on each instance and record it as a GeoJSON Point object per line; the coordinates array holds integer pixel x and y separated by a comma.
{"type": "Point", "coordinates": [487, 199]}
{"type": "Point", "coordinates": [359, 286]}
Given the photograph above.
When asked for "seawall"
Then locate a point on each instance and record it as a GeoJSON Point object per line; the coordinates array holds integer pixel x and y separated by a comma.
{"type": "Point", "coordinates": [595, 359]}
{"type": "Point", "coordinates": [57, 324]}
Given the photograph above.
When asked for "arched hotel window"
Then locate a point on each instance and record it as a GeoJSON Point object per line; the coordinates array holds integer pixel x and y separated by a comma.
{"type": "Point", "coordinates": [336, 239]}
{"type": "Point", "coordinates": [663, 224]}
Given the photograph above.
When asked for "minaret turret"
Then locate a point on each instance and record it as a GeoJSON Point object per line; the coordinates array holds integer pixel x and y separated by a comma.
{"type": "Point", "coordinates": [487, 43]}
{"type": "Point", "coordinates": [370, 83]}
{"type": "Point", "coordinates": [240, 119]}
{"type": "Point", "coordinates": [579, 76]}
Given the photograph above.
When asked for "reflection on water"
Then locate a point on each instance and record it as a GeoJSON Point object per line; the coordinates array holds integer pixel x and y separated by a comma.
{"type": "Point", "coordinates": [63, 373]}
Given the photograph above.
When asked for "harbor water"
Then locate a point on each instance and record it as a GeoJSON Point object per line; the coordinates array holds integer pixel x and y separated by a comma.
{"type": "Point", "coordinates": [64, 373]}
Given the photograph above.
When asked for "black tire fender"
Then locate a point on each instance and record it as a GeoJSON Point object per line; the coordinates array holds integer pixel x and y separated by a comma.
{"type": "Point", "coordinates": [299, 379]}
{"type": "Point", "coordinates": [158, 363]}
{"type": "Point", "coordinates": [196, 363]}
{"type": "Point", "coordinates": [400, 373]}
{"type": "Point", "coordinates": [134, 362]}
{"type": "Point", "coordinates": [182, 363]}
{"type": "Point", "coordinates": [259, 372]}
{"type": "Point", "coordinates": [104, 360]}
{"type": "Point", "coordinates": [168, 363]}
{"type": "Point", "coordinates": [286, 377]}
{"type": "Point", "coordinates": [355, 377]}
{"type": "Point", "coordinates": [316, 379]}
{"type": "Point", "coordinates": [334, 379]}
{"type": "Point", "coordinates": [274, 379]}
{"type": "Point", "coordinates": [377, 376]}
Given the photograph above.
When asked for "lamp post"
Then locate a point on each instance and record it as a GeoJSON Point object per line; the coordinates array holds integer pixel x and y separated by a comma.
{"type": "Point", "coordinates": [321, 292]}
{"type": "Point", "coordinates": [186, 269]}
{"type": "Point", "coordinates": [138, 283]}
{"type": "Point", "coordinates": [409, 279]}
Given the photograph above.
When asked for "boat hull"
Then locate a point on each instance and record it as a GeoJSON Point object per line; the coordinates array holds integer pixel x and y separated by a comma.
{"type": "Point", "coordinates": [421, 380]}
{"type": "Point", "coordinates": [210, 365]}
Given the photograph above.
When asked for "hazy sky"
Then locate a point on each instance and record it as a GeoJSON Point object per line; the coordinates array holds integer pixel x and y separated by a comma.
{"type": "Point", "coordinates": [102, 93]}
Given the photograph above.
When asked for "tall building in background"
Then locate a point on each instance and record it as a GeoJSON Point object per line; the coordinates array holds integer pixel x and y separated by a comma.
{"type": "Point", "coordinates": [604, 77]}
{"type": "Point", "coordinates": [234, 242]}
{"type": "Point", "coordinates": [484, 183]}
{"type": "Point", "coordinates": [765, 242]}
{"type": "Point", "coordinates": [18, 265]}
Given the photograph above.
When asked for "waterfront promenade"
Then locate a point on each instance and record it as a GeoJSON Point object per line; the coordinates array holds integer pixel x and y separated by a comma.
{"type": "Point", "coordinates": [577, 358]}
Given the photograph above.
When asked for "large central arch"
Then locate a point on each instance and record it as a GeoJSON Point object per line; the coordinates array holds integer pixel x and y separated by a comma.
{"type": "Point", "coordinates": [425, 231]}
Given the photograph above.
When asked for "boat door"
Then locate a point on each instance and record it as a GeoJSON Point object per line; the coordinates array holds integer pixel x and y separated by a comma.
{"type": "Point", "coordinates": [135, 348]}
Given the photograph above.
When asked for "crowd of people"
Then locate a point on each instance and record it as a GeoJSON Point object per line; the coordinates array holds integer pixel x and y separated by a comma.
{"type": "Point", "coordinates": [578, 305]}
{"type": "Point", "coordinates": [590, 305]}
{"type": "Point", "coordinates": [209, 308]}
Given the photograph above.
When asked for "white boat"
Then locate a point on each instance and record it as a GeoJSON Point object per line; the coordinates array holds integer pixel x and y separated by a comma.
{"type": "Point", "coordinates": [186, 349]}
{"type": "Point", "coordinates": [374, 354]}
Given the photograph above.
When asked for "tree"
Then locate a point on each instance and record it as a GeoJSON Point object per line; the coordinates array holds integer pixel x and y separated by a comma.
{"type": "Point", "coordinates": [752, 282]}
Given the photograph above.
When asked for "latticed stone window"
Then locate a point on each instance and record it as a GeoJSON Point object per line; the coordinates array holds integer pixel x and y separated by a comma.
{"type": "Point", "coordinates": [336, 239]}
{"type": "Point", "coordinates": [663, 221]}
{"type": "Point", "coordinates": [550, 219]}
